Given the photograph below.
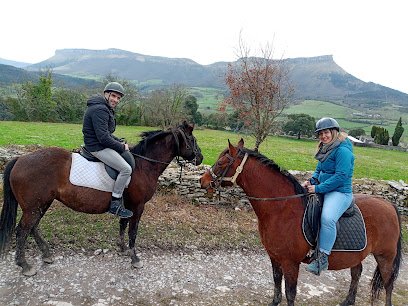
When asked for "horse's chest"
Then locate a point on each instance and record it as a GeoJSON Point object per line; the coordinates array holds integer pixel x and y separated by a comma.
{"type": "Point", "coordinates": [280, 237]}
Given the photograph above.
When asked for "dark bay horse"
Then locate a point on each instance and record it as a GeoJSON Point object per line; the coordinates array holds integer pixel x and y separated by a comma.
{"type": "Point", "coordinates": [34, 180]}
{"type": "Point", "coordinates": [280, 218]}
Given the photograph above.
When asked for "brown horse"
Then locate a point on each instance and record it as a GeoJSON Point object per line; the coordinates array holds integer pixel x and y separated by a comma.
{"type": "Point", "coordinates": [36, 179]}
{"type": "Point", "coordinates": [276, 197]}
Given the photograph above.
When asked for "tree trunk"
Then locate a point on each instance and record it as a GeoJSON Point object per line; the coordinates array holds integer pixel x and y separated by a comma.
{"type": "Point", "coordinates": [257, 144]}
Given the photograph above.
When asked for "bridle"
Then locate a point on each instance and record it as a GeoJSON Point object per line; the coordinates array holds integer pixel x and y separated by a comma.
{"type": "Point", "coordinates": [190, 142]}
{"type": "Point", "coordinates": [216, 180]}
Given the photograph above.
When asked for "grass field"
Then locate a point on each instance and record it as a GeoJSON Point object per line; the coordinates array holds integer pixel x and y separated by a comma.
{"type": "Point", "coordinates": [207, 98]}
{"type": "Point", "coordinates": [347, 117]}
{"type": "Point", "coordinates": [289, 153]}
{"type": "Point", "coordinates": [207, 227]}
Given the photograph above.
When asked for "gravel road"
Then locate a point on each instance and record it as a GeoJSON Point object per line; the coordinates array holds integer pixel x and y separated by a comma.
{"type": "Point", "coordinates": [196, 278]}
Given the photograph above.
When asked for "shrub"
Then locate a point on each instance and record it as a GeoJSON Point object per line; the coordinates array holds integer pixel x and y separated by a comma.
{"type": "Point", "coordinates": [356, 132]}
{"type": "Point", "coordinates": [381, 137]}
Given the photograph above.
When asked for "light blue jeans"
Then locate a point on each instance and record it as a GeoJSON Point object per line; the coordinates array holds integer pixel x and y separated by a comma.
{"type": "Point", "coordinates": [335, 204]}
{"type": "Point", "coordinates": [114, 160]}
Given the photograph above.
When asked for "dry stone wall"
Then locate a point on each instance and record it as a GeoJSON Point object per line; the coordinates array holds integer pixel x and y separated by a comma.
{"type": "Point", "coordinates": [187, 184]}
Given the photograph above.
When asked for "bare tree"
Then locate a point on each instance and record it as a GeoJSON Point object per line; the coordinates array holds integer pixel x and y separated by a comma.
{"type": "Point", "coordinates": [165, 107]}
{"type": "Point", "coordinates": [259, 88]}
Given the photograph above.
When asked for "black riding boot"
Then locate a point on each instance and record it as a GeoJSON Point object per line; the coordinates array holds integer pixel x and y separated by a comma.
{"type": "Point", "coordinates": [117, 208]}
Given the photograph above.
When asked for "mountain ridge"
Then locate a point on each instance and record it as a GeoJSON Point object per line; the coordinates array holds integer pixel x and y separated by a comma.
{"type": "Point", "coordinates": [317, 77]}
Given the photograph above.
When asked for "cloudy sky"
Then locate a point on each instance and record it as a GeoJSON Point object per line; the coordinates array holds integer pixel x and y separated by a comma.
{"type": "Point", "coordinates": [366, 38]}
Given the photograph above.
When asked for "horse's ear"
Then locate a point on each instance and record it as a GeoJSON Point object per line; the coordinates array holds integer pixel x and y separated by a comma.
{"type": "Point", "coordinates": [187, 126]}
{"type": "Point", "coordinates": [191, 126]}
{"type": "Point", "coordinates": [241, 143]}
{"type": "Point", "coordinates": [232, 150]}
{"type": "Point", "coordinates": [184, 125]}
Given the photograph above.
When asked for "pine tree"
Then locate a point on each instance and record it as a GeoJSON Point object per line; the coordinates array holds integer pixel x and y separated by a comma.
{"type": "Point", "coordinates": [397, 133]}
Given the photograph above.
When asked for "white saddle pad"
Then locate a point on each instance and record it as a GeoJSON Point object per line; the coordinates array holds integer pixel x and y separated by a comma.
{"type": "Point", "coordinates": [90, 174]}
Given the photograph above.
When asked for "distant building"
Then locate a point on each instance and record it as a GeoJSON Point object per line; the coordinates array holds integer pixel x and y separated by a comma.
{"type": "Point", "coordinates": [366, 139]}
{"type": "Point", "coordinates": [354, 140]}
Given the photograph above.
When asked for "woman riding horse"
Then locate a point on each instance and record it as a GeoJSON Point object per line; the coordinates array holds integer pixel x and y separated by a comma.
{"type": "Point", "coordinates": [278, 202]}
{"type": "Point", "coordinates": [332, 178]}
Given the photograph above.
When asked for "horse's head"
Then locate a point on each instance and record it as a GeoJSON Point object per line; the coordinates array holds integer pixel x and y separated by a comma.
{"type": "Point", "coordinates": [226, 169]}
{"type": "Point", "coordinates": [187, 144]}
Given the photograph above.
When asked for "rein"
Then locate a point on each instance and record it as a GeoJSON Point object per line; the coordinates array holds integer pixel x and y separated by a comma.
{"type": "Point", "coordinates": [150, 159]}
{"type": "Point", "coordinates": [299, 195]}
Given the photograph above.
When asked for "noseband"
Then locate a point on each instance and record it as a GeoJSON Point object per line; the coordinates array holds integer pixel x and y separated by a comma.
{"type": "Point", "coordinates": [218, 179]}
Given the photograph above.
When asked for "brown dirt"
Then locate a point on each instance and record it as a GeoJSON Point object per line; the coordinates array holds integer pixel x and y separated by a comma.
{"type": "Point", "coordinates": [193, 255]}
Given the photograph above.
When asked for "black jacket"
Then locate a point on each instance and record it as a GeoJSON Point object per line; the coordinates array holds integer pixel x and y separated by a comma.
{"type": "Point", "coordinates": [98, 126]}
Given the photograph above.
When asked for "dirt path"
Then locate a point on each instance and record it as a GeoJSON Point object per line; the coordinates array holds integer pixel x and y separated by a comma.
{"type": "Point", "coordinates": [220, 278]}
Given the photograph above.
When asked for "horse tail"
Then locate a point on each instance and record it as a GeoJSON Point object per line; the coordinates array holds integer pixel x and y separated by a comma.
{"type": "Point", "coordinates": [377, 282]}
{"type": "Point", "coordinates": [9, 211]}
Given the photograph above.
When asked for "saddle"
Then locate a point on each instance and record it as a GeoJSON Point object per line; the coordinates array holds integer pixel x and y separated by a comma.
{"type": "Point", "coordinates": [127, 156]}
{"type": "Point", "coordinates": [351, 231]}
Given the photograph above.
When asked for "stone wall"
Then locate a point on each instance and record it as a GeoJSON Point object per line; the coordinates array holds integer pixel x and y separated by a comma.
{"type": "Point", "coordinates": [188, 184]}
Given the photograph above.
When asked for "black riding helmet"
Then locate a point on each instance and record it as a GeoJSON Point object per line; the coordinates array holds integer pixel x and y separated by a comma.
{"type": "Point", "coordinates": [326, 123]}
{"type": "Point", "coordinates": [116, 87]}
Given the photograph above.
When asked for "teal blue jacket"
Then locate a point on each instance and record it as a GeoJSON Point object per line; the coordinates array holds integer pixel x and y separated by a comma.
{"type": "Point", "coordinates": [336, 172]}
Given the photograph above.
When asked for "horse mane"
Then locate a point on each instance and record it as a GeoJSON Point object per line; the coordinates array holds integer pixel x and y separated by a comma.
{"type": "Point", "coordinates": [274, 166]}
{"type": "Point", "coordinates": [147, 136]}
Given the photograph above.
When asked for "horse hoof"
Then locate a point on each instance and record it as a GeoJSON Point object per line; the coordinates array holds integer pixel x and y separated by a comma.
{"type": "Point", "coordinates": [48, 260]}
{"type": "Point", "coordinates": [29, 272]}
{"type": "Point", "coordinates": [137, 265]}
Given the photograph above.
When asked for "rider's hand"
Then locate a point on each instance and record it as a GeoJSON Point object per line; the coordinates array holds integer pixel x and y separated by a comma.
{"type": "Point", "coordinates": [311, 188]}
{"type": "Point", "coordinates": [126, 147]}
{"type": "Point", "coordinates": [306, 183]}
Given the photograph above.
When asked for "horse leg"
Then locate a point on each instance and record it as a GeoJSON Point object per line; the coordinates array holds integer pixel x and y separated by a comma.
{"type": "Point", "coordinates": [122, 228]}
{"type": "Point", "coordinates": [384, 279]}
{"type": "Point", "coordinates": [277, 279]}
{"type": "Point", "coordinates": [27, 222]}
{"type": "Point", "coordinates": [355, 278]}
{"type": "Point", "coordinates": [291, 273]}
{"type": "Point", "coordinates": [42, 245]}
{"type": "Point", "coordinates": [133, 226]}
{"type": "Point", "coordinates": [388, 293]}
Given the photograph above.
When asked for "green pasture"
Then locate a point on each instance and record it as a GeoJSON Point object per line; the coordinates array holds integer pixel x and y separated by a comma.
{"type": "Point", "coordinates": [208, 99]}
{"type": "Point", "coordinates": [319, 109]}
{"type": "Point", "coordinates": [348, 119]}
{"type": "Point", "coordinates": [289, 153]}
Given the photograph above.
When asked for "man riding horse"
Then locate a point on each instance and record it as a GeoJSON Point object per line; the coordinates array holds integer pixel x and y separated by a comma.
{"type": "Point", "coordinates": [98, 126]}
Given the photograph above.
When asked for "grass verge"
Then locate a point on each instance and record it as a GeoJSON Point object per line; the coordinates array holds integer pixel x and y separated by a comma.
{"type": "Point", "coordinates": [168, 223]}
